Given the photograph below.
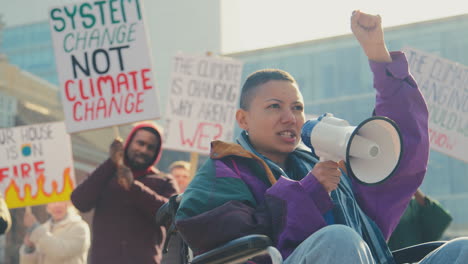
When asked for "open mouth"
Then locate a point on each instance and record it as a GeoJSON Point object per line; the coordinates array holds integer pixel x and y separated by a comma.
{"type": "Point", "coordinates": [287, 134]}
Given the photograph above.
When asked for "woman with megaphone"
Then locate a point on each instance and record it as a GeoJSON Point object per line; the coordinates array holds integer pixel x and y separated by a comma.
{"type": "Point", "coordinates": [267, 183]}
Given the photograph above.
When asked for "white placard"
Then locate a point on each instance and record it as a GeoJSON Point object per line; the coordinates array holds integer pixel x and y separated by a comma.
{"type": "Point", "coordinates": [204, 93]}
{"type": "Point", "coordinates": [444, 85]}
{"type": "Point", "coordinates": [103, 63]}
{"type": "Point", "coordinates": [36, 164]}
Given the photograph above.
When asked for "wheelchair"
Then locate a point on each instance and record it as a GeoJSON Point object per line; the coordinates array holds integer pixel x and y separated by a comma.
{"type": "Point", "coordinates": [242, 249]}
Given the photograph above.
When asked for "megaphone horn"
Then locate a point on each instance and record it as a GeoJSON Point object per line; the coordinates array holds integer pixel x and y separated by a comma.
{"type": "Point", "coordinates": [372, 150]}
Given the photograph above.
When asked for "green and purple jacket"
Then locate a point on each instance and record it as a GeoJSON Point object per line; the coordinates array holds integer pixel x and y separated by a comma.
{"type": "Point", "coordinates": [238, 192]}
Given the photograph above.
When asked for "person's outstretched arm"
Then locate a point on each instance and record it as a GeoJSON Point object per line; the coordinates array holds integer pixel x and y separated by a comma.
{"type": "Point", "coordinates": [399, 99]}
{"type": "Point", "coordinates": [85, 196]}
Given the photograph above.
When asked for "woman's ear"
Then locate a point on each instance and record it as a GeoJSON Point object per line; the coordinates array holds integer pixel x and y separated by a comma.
{"type": "Point", "coordinates": [241, 117]}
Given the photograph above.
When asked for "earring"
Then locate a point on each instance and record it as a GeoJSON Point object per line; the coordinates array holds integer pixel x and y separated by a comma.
{"type": "Point", "coordinates": [247, 132]}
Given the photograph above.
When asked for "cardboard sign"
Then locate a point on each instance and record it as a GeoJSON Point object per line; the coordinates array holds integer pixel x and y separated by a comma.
{"type": "Point", "coordinates": [444, 85]}
{"type": "Point", "coordinates": [203, 99]}
{"type": "Point", "coordinates": [36, 164]}
{"type": "Point", "coordinates": [103, 63]}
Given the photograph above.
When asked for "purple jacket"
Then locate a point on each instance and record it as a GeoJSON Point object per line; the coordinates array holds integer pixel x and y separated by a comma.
{"type": "Point", "coordinates": [234, 194]}
{"type": "Point", "coordinates": [124, 229]}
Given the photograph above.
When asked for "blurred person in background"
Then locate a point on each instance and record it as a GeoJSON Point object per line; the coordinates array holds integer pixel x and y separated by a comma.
{"type": "Point", "coordinates": [64, 238]}
{"type": "Point", "coordinates": [125, 192]}
{"type": "Point", "coordinates": [423, 221]}
{"type": "Point", "coordinates": [180, 170]}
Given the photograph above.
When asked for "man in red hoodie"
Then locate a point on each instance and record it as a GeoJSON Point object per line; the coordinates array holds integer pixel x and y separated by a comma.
{"type": "Point", "coordinates": [126, 191]}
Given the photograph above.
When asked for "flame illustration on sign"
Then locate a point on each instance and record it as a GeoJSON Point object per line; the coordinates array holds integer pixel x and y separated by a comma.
{"type": "Point", "coordinates": [14, 200]}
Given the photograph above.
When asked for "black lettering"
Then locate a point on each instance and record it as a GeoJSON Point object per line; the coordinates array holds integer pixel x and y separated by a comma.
{"type": "Point", "coordinates": [106, 58]}
{"type": "Point", "coordinates": [176, 87]}
{"type": "Point", "coordinates": [119, 54]}
{"type": "Point", "coordinates": [76, 63]}
{"type": "Point", "coordinates": [6, 136]}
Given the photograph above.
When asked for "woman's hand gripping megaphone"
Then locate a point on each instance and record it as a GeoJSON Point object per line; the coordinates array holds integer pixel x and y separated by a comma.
{"type": "Point", "coordinates": [327, 171]}
{"type": "Point", "coordinates": [328, 174]}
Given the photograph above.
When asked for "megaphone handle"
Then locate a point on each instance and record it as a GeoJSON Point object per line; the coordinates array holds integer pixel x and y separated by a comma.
{"type": "Point", "coordinates": [321, 159]}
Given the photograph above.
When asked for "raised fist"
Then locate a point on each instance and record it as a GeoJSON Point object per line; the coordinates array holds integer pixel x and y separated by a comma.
{"type": "Point", "coordinates": [116, 151]}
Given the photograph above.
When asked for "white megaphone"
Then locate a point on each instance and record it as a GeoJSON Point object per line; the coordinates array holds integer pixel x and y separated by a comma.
{"type": "Point", "coordinates": [372, 150]}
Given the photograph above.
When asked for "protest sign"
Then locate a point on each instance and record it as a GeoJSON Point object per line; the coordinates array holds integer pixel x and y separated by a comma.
{"type": "Point", "coordinates": [444, 85]}
{"type": "Point", "coordinates": [202, 102]}
{"type": "Point", "coordinates": [103, 63]}
{"type": "Point", "coordinates": [36, 165]}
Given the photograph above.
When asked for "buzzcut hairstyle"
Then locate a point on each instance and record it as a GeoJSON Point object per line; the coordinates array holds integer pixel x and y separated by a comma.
{"type": "Point", "coordinates": [258, 78]}
{"type": "Point", "coordinates": [180, 164]}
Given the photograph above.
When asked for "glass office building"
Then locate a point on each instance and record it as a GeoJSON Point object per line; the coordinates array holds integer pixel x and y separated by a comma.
{"type": "Point", "coordinates": [30, 48]}
{"type": "Point", "coordinates": [334, 76]}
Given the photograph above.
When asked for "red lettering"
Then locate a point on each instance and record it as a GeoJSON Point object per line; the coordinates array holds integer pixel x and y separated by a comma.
{"type": "Point", "coordinates": [91, 85]}
{"type": "Point", "coordinates": [3, 174]}
{"type": "Point", "coordinates": [129, 110]}
{"type": "Point", "coordinates": [25, 169]}
{"type": "Point", "coordinates": [96, 104]}
{"type": "Point", "coordinates": [220, 131]}
{"type": "Point", "coordinates": [441, 140]}
{"type": "Point", "coordinates": [101, 106]}
{"type": "Point", "coordinates": [82, 92]}
{"type": "Point", "coordinates": [184, 140]}
{"type": "Point", "coordinates": [114, 104]}
{"type": "Point", "coordinates": [15, 171]}
{"type": "Point", "coordinates": [121, 81]}
{"type": "Point", "coordinates": [75, 111]}
{"type": "Point", "coordinates": [204, 131]}
{"type": "Point", "coordinates": [202, 135]}
{"type": "Point", "coordinates": [105, 108]}
{"type": "Point", "coordinates": [89, 109]}
{"type": "Point", "coordinates": [105, 79]}
{"type": "Point", "coordinates": [145, 79]}
{"type": "Point", "coordinates": [67, 91]}
{"type": "Point", "coordinates": [38, 167]}
{"type": "Point", "coordinates": [134, 79]}
{"type": "Point", "coordinates": [139, 100]}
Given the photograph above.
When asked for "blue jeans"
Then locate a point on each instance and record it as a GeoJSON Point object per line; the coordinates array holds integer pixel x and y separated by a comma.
{"type": "Point", "coordinates": [332, 244]}
{"type": "Point", "coordinates": [337, 244]}
{"type": "Point", "coordinates": [454, 252]}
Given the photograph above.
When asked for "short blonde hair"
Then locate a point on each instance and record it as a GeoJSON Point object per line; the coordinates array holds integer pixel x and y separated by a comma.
{"type": "Point", "coordinates": [180, 164]}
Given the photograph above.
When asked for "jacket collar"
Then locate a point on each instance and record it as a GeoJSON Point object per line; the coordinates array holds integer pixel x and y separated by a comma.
{"type": "Point", "coordinates": [220, 149]}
